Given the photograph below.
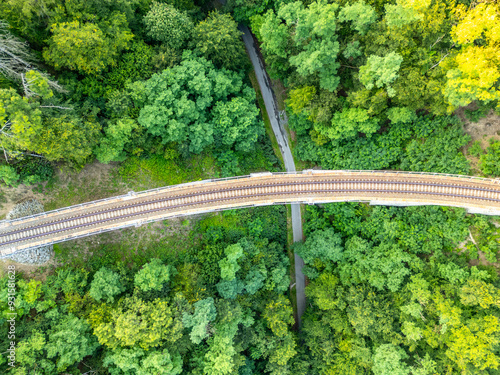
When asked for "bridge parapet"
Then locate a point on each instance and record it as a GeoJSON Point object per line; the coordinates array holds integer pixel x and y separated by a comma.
{"type": "Point", "coordinates": [475, 194]}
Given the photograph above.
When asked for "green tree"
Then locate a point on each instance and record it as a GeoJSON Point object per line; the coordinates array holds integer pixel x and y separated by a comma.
{"type": "Point", "coordinates": [168, 25]}
{"type": "Point", "coordinates": [31, 355]}
{"type": "Point", "coordinates": [139, 362]}
{"type": "Point", "coordinates": [70, 341]}
{"type": "Point", "coordinates": [314, 39]}
{"type": "Point", "coordinates": [325, 245]}
{"type": "Point", "coordinates": [279, 315]}
{"type": "Point", "coordinates": [105, 285]}
{"type": "Point", "coordinates": [490, 162]}
{"type": "Point", "coordinates": [87, 47]}
{"type": "Point", "coordinates": [204, 313]}
{"type": "Point", "coordinates": [361, 14]}
{"type": "Point", "coordinates": [388, 360]}
{"type": "Point", "coordinates": [217, 38]}
{"type": "Point", "coordinates": [8, 175]}
{"type": "Point", "coordinates": [135, 323]}
{"type": "Point", "coordinates": [27, 128]}
{"type": "Point", "coordinates": [348, 123]}
{"type": "Point", "coordinates": [237, 122]}
{"type": "Point", "coordinates": [187, 104]}
{"type": "Point", "coordinates": [118, 133]}
{"type": "Point", "coordinates": [153, 276]}
{"type": "Point", "coordinates": [229, 265]}
{"type": "Point", "coordinates": [381, 71]}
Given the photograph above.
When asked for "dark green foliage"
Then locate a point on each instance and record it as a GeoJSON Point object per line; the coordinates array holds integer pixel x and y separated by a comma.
{"type": "Point", "coordinates": [218, 37]}
{"type": "Point", "coordinates": [34, 170]}
{"type": "Point", "coordinates": [399, 278]}
{"type": "Point", "coordinates": [490, 162]}
{"type": "Point", "coordinates": [111, 316]}
{"type": "Point", "coordinates": [426, 144]}
{"type": "Point", "coordinates": [218, 110]}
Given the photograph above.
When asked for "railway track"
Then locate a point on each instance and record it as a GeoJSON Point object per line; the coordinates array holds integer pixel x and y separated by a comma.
{"type": "Point", "coordinates": [474, 194]}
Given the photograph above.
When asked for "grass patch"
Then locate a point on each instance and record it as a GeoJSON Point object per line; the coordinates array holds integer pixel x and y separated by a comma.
{"type": "Point", "coordinates": [98, 181]}
{"type": "Point", "coordinates": [169, 241]}
{"type": "Point", "coordinates": [158, 171]}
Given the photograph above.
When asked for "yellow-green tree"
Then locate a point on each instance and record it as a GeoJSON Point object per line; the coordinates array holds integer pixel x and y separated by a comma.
{"type": "Point", "coordinates": [475, 70]}
{"type": "Point", "coordinates": [87, 47]}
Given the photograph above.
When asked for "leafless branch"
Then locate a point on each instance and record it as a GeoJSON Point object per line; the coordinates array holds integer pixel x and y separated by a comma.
{"type": "Point", "coordinates": [16, 58]}
{"type": "Point", "coordinates": [55, 106]}
{"type": "Point", "coordinates": [437, 41]}
{"type": "Point", "coordinates": [439, 62]}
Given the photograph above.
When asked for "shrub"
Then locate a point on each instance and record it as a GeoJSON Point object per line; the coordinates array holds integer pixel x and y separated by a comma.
{"type": "Point", "coordinates": [490, 162]}
{"type": "Point", "coordinates": [8, 175]}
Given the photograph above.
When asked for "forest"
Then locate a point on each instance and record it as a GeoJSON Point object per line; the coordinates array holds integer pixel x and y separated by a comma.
{"type": "Point", "coordinates": [152, 93]}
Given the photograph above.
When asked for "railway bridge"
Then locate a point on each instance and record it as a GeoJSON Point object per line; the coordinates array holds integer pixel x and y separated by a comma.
{"type": "Point", "coordinates": [477, 195]}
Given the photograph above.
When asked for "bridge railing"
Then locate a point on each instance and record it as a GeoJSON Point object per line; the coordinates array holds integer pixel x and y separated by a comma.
{"type": "Point", "coordinates": [307, 171]}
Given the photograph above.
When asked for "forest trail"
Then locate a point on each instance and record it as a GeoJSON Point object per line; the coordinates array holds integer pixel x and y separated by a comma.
{"type": "Point", "coordinates": [283, 143]}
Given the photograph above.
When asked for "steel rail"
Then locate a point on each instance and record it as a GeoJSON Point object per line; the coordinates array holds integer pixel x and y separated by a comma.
{"type": "Point", "coordinates": [235, 198]}
{"type": "Point", "coordinates": [246, 187]}
{"type": "Point", "coordinates": [412, 188]}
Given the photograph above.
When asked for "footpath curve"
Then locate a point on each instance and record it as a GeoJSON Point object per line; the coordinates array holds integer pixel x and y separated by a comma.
{"type": "Point", "coordinates": [283, 143]}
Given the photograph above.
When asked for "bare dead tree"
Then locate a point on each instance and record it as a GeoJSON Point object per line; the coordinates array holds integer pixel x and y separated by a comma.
{"type": "Point", "coordinates": [16, 59]}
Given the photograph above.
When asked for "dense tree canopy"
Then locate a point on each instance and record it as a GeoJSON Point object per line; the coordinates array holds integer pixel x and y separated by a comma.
{"type": "Point", "coordinates": [198, 105]}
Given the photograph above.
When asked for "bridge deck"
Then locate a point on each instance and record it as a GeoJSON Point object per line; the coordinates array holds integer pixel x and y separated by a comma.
{"type": "Point", "coordinates": [378, 187]}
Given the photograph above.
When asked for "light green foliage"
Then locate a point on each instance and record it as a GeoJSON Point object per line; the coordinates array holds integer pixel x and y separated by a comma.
{"type": "Point", "coordinates": [8, 175]}
{"type": "Point", "coordinates": [139, 362]}
{"type": "Point", "coordinates": [279, 315]}
{"type": "Point", "coordinates": [98, 46]}
{"type": "Point", "coordinates": [237, 122]}
{"type": "Point", "coordinates": [352, 50]}
{"type": "Point", "coordinates": [325, 245]}
{"type": "Point", "coordinates": [229, 265]}
{"type": "Point", "coordinates": [453, 273]}
{"type": "Point", "coordinates": [383, 266]}
{"type": "Point", "coordinates": [64, 137]}
{"type": "Point", "coordinates": [474, 344]}
{"type": "Point", "coordinates": [388, 360]}
{"type": "Point", "coordinates": [361, 14]}
{"type": "Point", "coordinates": [25, 120]}
{"type": "Point", "coordinates": [70, 341]}
{"type": "Point", "coordinates": [118, 134]}
{"type": "Point", "coordinates": [168, 25]}
{"type": "Point", "coordinates": [348, 123]}
{"type": "Point", "coordinates": [477, 292]}
{"type": "Point", "coordinates": [397, 15]}
{"type": "Point", "coordinates": [217, 38]}
{"type": "Point", "coordinates": [490, 162]}
{"type": "Point", "coordinates": [153, 276]}
{"type": "Point", "coordinates": [38, 84]}
{"type": "Point", "coordinates": [401, 114]}
{"type": "Point", "coordinates": [314, 38]}
{"type": "Point", "coordinates": [105, 285]}
{"type": "Point", "coordinates": [179, 106]}
{"type": "Point", "coordinates": [135, 323]}
{"type": "Point", "coordinates": [219, 358]}
{"type": "Point", "coordinates": [30, 355]}
{"type": "Point", "coordinates": [204, 313]}
{"type": "Point", "coordinates": [381, 71]}
{"type": "Point", "coordinates": [300, 98]}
